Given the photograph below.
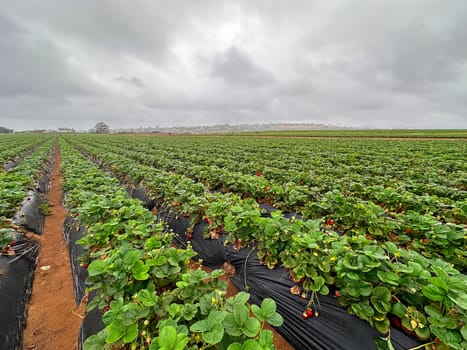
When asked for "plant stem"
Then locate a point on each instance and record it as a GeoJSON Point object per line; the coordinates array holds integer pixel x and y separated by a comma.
{"type": "Point", "coordinates": [421, 346]}
{"type": "Point", "coordinates": [244, 269]}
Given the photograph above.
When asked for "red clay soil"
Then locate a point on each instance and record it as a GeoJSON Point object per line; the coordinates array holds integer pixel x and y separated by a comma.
{"type": "Point", "coordinates": [53, 318]}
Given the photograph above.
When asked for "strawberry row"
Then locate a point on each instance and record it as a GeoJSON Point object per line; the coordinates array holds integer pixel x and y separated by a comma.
{"type": "Point", "coordinates": [15, 183]}
{"type": "Point", "coordinates": [13, 147]}
{"type": "Point", "coordinates": [151, 294]}
{"type": "Point", "coordinates": [449, 206]}
{"type": "Point", "coordinates": [317, 162]}
{"type": "Point", "coordinates": [348, 214]}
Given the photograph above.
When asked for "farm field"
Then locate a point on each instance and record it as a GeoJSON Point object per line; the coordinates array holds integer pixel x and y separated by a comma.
{"type": "Point", "coordinates": [375, 225]}
{"type": "Point", "coordinates": [406, 134]}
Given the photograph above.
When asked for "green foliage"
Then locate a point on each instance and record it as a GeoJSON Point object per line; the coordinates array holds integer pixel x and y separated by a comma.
{"type": "Point", "coordinates": [401, 218]}
{"type": "Point", "coordinates": [151, 296]}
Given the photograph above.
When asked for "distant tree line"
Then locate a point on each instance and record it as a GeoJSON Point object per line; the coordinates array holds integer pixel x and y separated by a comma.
{"type": "Point", "coordinates": [4, 130]}
{"type": "Point", "coordinates": [101, 128]}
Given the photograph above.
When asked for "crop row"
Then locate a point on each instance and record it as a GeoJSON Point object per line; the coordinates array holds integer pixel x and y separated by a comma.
{"type": "Point", "coordinates": [376, 281]}
{"type": "Point", "coordinates": [13, 146]}
{"type": "Point", "coordinates": [291, 191]}
{"type": "Point", "coordinates": [348, 214]}
{"type": "Point", "coordinates": [151, 293]}
{"type": "Point", "coordinates": [316, 162]}
{"type": "Point", "coordinates": [15, 183]}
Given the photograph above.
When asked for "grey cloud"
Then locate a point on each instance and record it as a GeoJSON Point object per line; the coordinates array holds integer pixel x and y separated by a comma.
{"type": "Point", "coordinates": [31, 64]}
{"type": "Point", "coordinates": [107, 27]}
{"type": "Point", "coordinates": [236, 66]}
{"type": "Point", "coordinates": [131, 81]}
{"type": "Point", "coordinates": [353, 63]}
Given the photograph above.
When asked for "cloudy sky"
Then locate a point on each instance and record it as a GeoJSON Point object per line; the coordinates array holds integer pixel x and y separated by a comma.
{"type": "Point", "coordinates": [362, 63]}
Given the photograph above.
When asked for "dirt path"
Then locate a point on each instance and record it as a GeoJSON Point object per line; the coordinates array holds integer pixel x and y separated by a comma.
{"type": "Point", "coordinates": [52, 322]}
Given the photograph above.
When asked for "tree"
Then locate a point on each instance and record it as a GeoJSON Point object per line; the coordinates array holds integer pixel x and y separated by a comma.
{"type": "Point", "coordinates": [101, 128]}
{"type": "Point", "coordinates": [4, 130]}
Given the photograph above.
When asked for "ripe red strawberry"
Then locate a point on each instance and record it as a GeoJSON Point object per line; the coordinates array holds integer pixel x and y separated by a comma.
{"type": "Point", "coordinates": [408, 230]}
{"type": "Point", "coordinates": [12, 243]}
{"type": "Point", "coordinates": [330, 222]}
{"type": "Point", "coordinates": [426, 240]}
{"type": "Point", "coordinates": [395, 321]}
{"type": "Point", "coordinates": [337, 294]}
{"type": "Point", "coordinates": [189, 235]}
{"type": "Point", "coordinates": [185, 215]}
{"type": "Point", "coordinates": [207, 220]}
{"type": "Point", "coordinates": [309, 312]}
{"type": "Point", "coordinates": [305, 315]}
{"type": "Point", "coordinates": [267, 189]}
{"type": "Point", "coordinates": [84, 265]}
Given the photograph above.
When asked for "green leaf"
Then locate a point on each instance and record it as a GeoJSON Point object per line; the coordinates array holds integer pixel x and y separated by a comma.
{"type": "Point", "coordinates": [147, 298]}
{"type": "Point", "coordinates": [317, 283]}
{"type": "Point", "coordinates": [381, 299]}
{"type": "Point", "coordinates": [169, 339]}
{"type": "Point", "coordinates": [116, 331]}
{"type": "Point", "coordinates": [464, 332]}
{"type": "Point", "coordinates": [266, 338]}
{"type": "Point", "coordinates": [448, 336]}
{"type": "Point", "coordinates": [267, 312]}
{"type": "Point", "coordinates": [251, 344]}
{"type": "Point", "coordinates": [189, 311]}
{"type": "Point", "coordinates": [96, 341]}
{"type": "Point", "coordinates": [439, 282]}
{"type": "Point", "coordinates": [242, 298]}
{"type": "Point", "coordinates": [131, 257]}
{"type": "Point", "coordinates": [131, 333]}
{"type": "Point", "coordinates": [251, 327]}
{"type": "Point", "coordinates": [383, 343]}
{"type": "Point", "coordinates": [382, 326]}
{"type": "Point", "coordinates": [97, 267]}
{"type": "Point", "coordinates": [268, 308]}
{"type": "Point", "coordinates": [399, 309]}
{"type": "Point", "coordinates": [205, 304]}
{"type": "Point", "coordinates": [423, 333]}
{"type": "Point", "coordinates": [324, 290]}
{"type": "Point", "coordinates": [362, 310]}
{"type": "Point", "coordinates": [460, 299]}
{"type": "Point", "coordinates": [235, 346]}
{"type": "Point", "coordinates": [240, 314]}
{"type": "Point", "coordinates": [231, 326]}
{"type": "Point", "coordinates": [216, 317]}
{"type": "Point", "coordinates": [215, 335]}
{"type": "Point", "coordinates": [175, 310]}
{"type": "Point", "coordinates": [388, 277]}
{"type": "Point", "coordinates": [434, 293]}
{"type": "Point", "coordinates": [140, 271]}
{"type": "Point", "coordinates": [200, 326]}
{"type": "Point", "coordinates": [276, 320]}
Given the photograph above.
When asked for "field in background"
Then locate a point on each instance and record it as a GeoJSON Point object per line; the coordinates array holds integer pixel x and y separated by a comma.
{"type": "Point", "coordinates": [366, 133]}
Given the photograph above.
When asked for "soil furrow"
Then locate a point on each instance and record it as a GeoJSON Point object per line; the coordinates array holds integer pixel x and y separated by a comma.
{"type": "Point", "coordinates": [53, 318]}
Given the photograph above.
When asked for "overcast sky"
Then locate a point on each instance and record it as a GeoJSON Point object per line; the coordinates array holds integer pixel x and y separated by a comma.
{"type": "Point", "coordinates": [362, 63]}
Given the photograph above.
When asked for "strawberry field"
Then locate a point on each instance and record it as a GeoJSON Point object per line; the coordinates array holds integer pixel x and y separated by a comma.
{"type": "Point", "coordinates": [378, 225]}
